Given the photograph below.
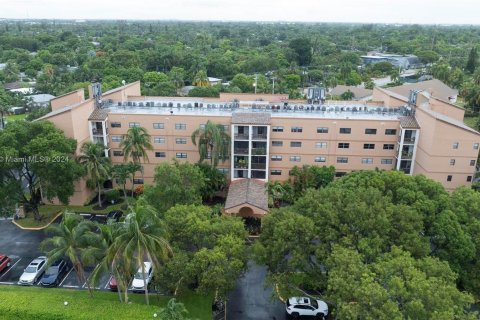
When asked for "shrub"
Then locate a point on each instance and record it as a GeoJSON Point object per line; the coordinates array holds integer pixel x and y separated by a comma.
{"type": "Point", "coordinates": [139, 190]}
{"type": "Point", "coordinates": [112, 195]}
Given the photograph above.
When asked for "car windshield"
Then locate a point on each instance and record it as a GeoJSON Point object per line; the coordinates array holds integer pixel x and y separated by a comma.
{"type": "Point", "coordinates": [31, 270]}
{"type": "Point", "coordinates": [51, 271]}
{"type": "Point", "coordinates": [139, 276]}
{"type": "Point", "coordinates": [314, 304]}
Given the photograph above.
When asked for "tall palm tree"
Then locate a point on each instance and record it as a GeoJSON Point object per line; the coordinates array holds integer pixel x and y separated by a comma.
{"type": "Point", "coordinates": [96, 164]}
{"type": "Point", "coordinates": [132, 169]}
{"type": "Point", "coordinates": [121, 174]}
{"type": "Point", "coordinates": [213, 141]}
{"type": "Point", "coordinates": [201, 79]}
{"type": "Point", "coordinates": [135, 144]}
{"type": "Point", "coordinates": [141, 238]}
{"type": "Point", "coordinates": [73, 237]}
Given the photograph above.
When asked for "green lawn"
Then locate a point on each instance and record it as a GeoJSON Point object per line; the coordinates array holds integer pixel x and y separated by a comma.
{"type": "Point", "coordinates": [40, 303]}
{"type": "Point", "coordinates": [46, 218]}
{"type": "Point", "coordinates": [15, 117]}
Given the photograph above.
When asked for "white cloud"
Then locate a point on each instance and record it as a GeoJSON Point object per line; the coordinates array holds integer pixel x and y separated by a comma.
{"type": "Point", "coordinates": [385, 11]}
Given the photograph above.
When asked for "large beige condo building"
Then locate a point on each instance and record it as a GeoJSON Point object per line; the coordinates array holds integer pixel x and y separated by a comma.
{"type": "Point", "coordinates": [417, 134]}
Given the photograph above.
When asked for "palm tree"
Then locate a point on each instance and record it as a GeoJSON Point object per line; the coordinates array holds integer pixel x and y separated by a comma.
{"type": "Point", "coordinates": [121, 173]}
{"type": "Point", "coordinates": [73, 237]}
{"type": "Point", "coordinates": [96, 164]}
{"type": "Point", "coordinates": [135, 145]}
{"type": "Point", "coordinates": [141, 238]}
{"type": "Point", "coordinates": [173, 311]}
{"type": "Point", "coordinates": [132, 169]}
{"type": "Point", "coordinates": [213, 141]}
{"type": "Point", "coordinates": [201, 79]}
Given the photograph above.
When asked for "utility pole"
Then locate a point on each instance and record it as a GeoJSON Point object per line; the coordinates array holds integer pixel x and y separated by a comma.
{"type": "Point", "coordinates": [273, 85]}
{"type": "Point", "coordinates": [255, 84]}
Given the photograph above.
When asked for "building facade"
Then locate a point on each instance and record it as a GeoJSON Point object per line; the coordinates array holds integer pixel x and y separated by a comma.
{"type": "Point", "coordinates": [270, 134]}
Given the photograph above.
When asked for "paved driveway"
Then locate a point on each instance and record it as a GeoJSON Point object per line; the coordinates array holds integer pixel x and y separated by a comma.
{"type": "Point", "coordinates": [17, 242]}
{"type": "Point", "coordinates": [251, 300]}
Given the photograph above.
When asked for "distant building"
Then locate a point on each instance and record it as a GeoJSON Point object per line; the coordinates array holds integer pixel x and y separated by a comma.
{"type": "Point", "coordinates": [41, 100]}
{"type": "Point", "coordinates": [214, 81]}
{"type": "Point", "coordinates": [360, 94]}
{"type": "Point", "coordinates": [434, 87]}
{"type": "Point", "coordinates": [399, 61]}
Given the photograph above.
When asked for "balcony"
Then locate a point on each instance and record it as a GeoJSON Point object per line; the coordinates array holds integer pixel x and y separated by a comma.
{"type": "Point", "coordinates": [240, 164]}
{"type": "Point", "coordinates": [260, 166]}
{"type": "Point", "coordinates": [410, 140]}
{"type": "Point", "coordinates": [405, 170]}
{"type": "Point", "coordinates": [407, 155]}
{"type": "Point", "coordinates": [259, 151]}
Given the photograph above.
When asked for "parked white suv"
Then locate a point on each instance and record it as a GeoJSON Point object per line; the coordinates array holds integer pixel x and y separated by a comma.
{"type": "Point", "coordinates": [137, 283]}
{"type": "Point", "coordinates": [33, 271]}
{"type": "Point", "coordinates": [302, 306]}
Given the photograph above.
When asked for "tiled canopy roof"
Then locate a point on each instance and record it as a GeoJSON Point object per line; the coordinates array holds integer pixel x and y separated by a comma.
{"type": "Point", "coordinates": [409, 122]}
{"type": "Point", "coordinates": [247, 191]}
{"type": "Point", "coordinates": [99, 114]}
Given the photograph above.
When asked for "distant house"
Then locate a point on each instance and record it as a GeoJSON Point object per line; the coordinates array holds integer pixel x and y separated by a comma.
{"type": "Point", "coordinates": [399, 61]}
{"type": "Point", "coordinates": [434, 87]}
{"type": "Point", "coordinates": [214, 81]}
{"type": "Point", "coordinates": [360, 94]}
{"type": "Point", "coordinates": [41, 100]}
{"type": "Point", "coordinates": [183, 91]}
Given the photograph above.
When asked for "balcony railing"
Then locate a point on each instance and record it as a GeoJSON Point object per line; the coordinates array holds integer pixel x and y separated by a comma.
{"type": "Point", "coordinates": [240, 165]}
{"type": "Point", "coordinates": [240, 150]}
{"type": "Point", "coordinates": [409, 140]}
{"type": "Point", "coordinates": [407, 155]}
{"type": "Point", "coordinates": [97, 132]}
{"type": "Point", "coordinates": [261, 166]}
{"type": "Point", "coordinates": [406, 170]}
{"type": "Point", "coordinates": [259, 151]}
{"type": "Point", "coordinates": [242, 136]}
{"type": "Point", "coordinates": [262, 136]}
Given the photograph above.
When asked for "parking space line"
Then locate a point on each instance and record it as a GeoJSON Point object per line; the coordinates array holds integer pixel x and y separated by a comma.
{"type": "Point", "coordinates": [11, 283]}
{"type": "Point", "coordinates": [67, 286]}
{"type": "Point", "coordinates": [108, 283]}
{"type": "Point", "coordinates": [10, 268]}
{"type": "Point", "coordinates": [65, 277]}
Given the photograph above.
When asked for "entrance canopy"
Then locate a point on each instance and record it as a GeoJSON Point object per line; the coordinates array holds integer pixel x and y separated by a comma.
{"type": "Point", "coordinates": [247, 198]}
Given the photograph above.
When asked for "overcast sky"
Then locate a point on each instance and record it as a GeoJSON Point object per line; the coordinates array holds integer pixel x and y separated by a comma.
{"type": "Point", "coordinates": [383, 11]}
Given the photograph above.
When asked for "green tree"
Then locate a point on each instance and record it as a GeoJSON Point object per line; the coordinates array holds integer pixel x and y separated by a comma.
{"type": "Point", "coordinates": [215, 180]}
{"type": "Point", "coordinates": [201, 79]}
{"type": "Point", "coordinates": [135, 144]}
{"type": "Point", "coordinates": [347, 95]}
{"type": "Point", "coordinates": [97, 166]}
{"type": "Point", "coordinates": [173, 311]}
{"type": "Point", "coordinates": [48, 169]}
{"type": "Point", "coordinates": [213, 142]}
{"type": "Point", "coordinates": [177, 183]}
{"type": "Point", "coordinates": [177, 76]}
{"type": "Point", "coordinates": [303, 50]}
{"type": "Point", "coordinates": [472, 61]}
{"type": "Point", "coordinates": [121, 174]}
{"type": "Point", "coordinates": [244, 82]}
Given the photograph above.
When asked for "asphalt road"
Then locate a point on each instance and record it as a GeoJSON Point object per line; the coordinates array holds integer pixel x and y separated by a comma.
{"type": "Point", "coordinates": [251, 300]}
{"type": "Point", "coordinates": [17, 242]}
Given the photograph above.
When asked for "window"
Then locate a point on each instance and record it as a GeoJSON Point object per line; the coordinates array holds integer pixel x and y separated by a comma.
{"type": "Point", "coordinates": [180, 126]}
{"type": "Point", "coordinates": [133, 124]}
{"type": "Point", "coordinates": [469, 178]}
{"type": "Point", "coordinates": [367, 160]}
{"type": "Point", "coordinates": [277, 129]}
{"type": "Point", "coordinates": [340, 174]}
{"type": "Point", "coordinates": [116, 138]}
{"type": "Point", "coordinates": [115, 125]}
{"type": "Point", "coordinates": [388, 146]}
{"type": "Point", "coordinates": [472, 163]}
{"type": "Point", "coordinates": [202, 126]}
{"type": "Point", "coordinates": [343, 145]}
{"type": "Point", "coordinates": [277, 143]}
{"type": "Point", "coordinates": [386, 161]}
{"type": "Point", "coordinates": [390, 132]}
{"type": "Point", "coordinates": [342, 160]}
{"type": "Point", "coordinates": [159, 140]}
{"type": "Point", "coordinates": [476, 145]}
{"type": "Point", "coordinates": [276, 158]}
{"type": "Point", "coordinates": [276, 172]}
{"type": "Point", "coordinates": [320, 159]}
{"type": "Point", "coordinates": [368, 146]}
{"type": "Point", "coordinates": [181, 155]}
{"type": "Point", "coordinates": [117, 153]}
{"type": "Point", "coordinates": [296, 129]}
{"type": "Point", "coordinates": [295, 144]}
{"type": "Point", "coordinates": [370, 131]}
{"type": "Point", "coordinates": [322, 130]}
{"type": "Point", "coordinates": [180, 140]}
{"type": "Point", "coordinates": [345, 130]}
{"type": "Point", "coordinates": [452, 162]}
{"type": "Point", "coordinates": [449, 178]}
{"type": "Point", "coordinates": [455, 145]}
{"type": "Point", "coordinates": [158, 125]}
{"type": "Point", "coordinates": [225, 127]}
{"type": "Point", "coordinates": [137, 181]}
{"type": "Point", "coordinates": [223, 170]}
{"type": "Point", "coordinates": [160, 154]}
{"type": "Point", "coordinates": [320, 145]}
{"type": "Point", "coordinates": [295, 158]}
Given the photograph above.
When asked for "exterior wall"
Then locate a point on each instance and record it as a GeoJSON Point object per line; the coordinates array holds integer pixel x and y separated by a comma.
{"type": "Point", "coordinates": [309, 137]}
{"type": "Point", "coordinates": [68, 99]}
{"type": "Point", "coordinates": [122, 93]}
{"type": "Point", "coordinates": [253, 97]}
{"type": "Point", "coordinates": [447, 109]}
{"type": "Point", "coordinates": [435, 150]}
{"type": "Point", "coordinates": [252, 211]}
{"type": "Point", "coordinates": [387, 99]}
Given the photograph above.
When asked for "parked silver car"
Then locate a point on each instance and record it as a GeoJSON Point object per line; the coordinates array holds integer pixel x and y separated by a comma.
{"type": "Point", "coordinates": [33, 271]}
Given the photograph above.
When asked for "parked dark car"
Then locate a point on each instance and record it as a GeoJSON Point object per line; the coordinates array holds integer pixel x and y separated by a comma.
{"type": "Point", "coordinates": [4, 262]}
{"type": "Point", "coordinates": [54, 274]}
{"type": "Point", "coordinates": [116, 214]}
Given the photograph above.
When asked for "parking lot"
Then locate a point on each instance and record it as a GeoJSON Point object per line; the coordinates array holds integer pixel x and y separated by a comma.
{"type": "Point", "coordinates": [23, 246]}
